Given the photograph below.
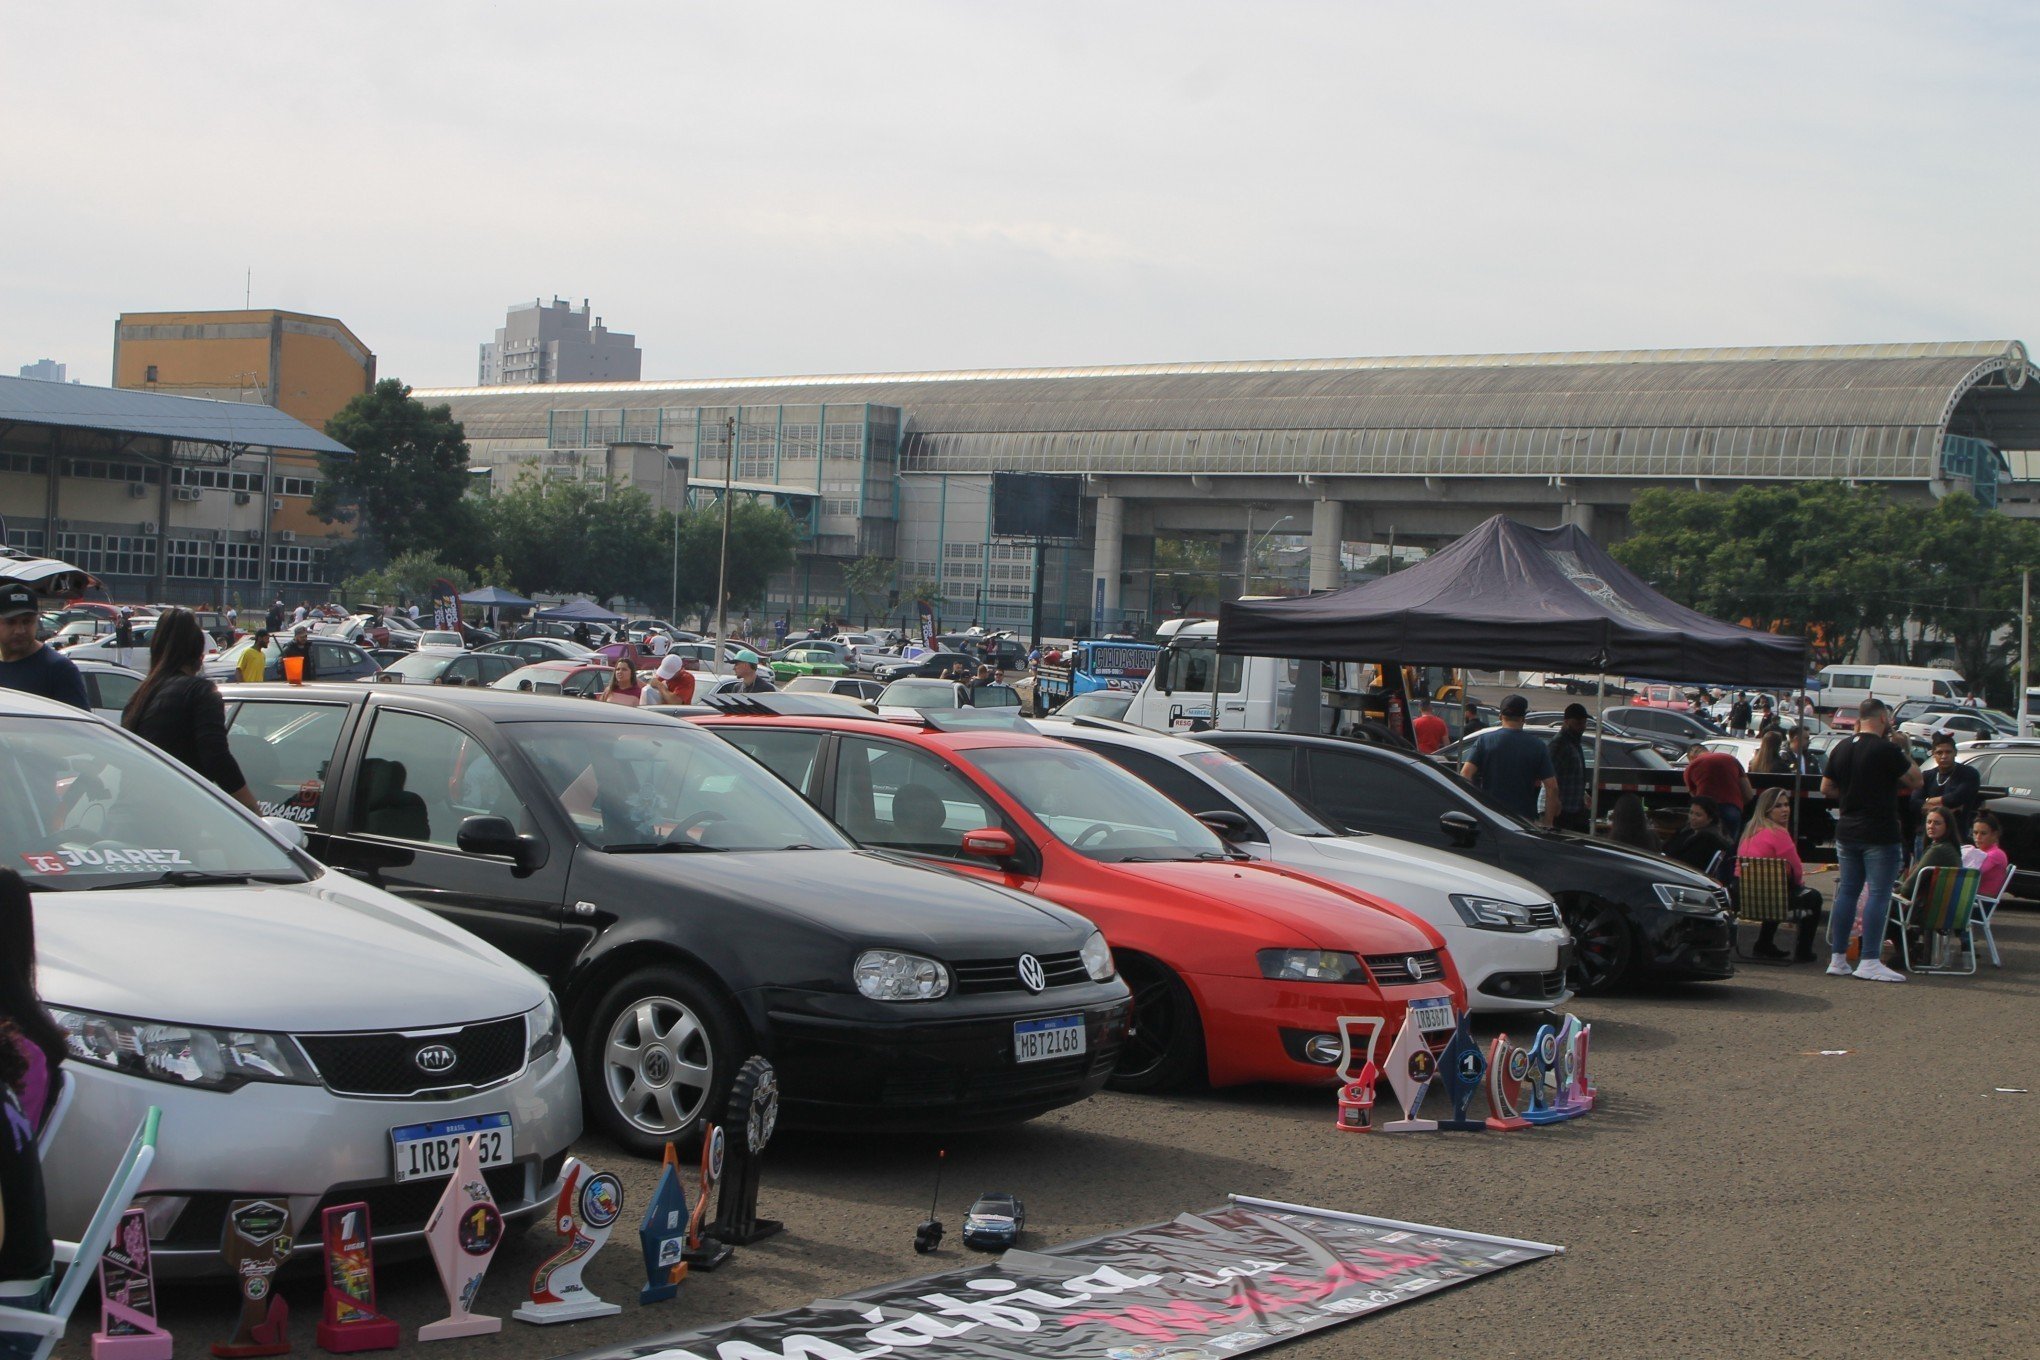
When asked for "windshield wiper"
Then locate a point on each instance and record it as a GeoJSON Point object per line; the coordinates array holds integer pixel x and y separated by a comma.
{"type": "Point", "coordinates": [662, 848]}
{"type": "Point", "coordinates": [194, 878]}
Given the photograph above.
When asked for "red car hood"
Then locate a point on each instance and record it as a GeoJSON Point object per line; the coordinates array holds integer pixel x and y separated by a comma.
{"type": "Point", "coordinates": [1326, 915]}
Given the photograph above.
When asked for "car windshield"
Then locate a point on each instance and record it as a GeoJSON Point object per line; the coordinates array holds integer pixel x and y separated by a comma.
{"type": "Point", "coordinates": [1271, 804]}
{"type": "Point", "coordinates": [1096, 808]}
{"type": "Point", "coordinates": [920, 694]}
{"type": "Point", "coordinates": [83, 806]}
{"type": "Point", "coordinates": [421, 665]}
{"type": "Point", "coordinates": [662, 786]}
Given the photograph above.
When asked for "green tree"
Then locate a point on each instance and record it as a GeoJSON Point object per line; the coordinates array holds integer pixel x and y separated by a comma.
{"type": "Point", "coordinates": [411, 577]}
{"type": "Point", "coordinates": [604, 541]}
{"type": "Point", "coordinates": [1966, 585]}
{"type": "Point", "coordinates": [762, 542]}
{"type": "Point", "coordinates": [871, 576]}
{"type": "Point", "coordinates": [404, 487]}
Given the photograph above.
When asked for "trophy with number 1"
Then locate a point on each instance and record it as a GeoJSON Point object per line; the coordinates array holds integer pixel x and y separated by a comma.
{"type": "Point", "coordinates": [1411, 1068]}
{"type": "Point", "coordinates": [463, 1233]}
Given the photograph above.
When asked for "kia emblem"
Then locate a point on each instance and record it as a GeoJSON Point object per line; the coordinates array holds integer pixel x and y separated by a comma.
{"type": "Point", "coordinates": [1415, 963]}
{"type": "Point", "coordinates": [435, 1059]}
{"type": "Point", "coordinates": [1031, 976]}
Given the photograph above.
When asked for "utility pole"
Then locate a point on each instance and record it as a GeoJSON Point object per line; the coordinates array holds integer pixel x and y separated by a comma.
{"type": "Point", "coordinates": [2025, 641]}
{"type": "Point", "coordinates": [722, 568]}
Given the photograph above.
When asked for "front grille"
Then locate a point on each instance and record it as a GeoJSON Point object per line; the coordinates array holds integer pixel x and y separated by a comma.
{"type": "Point", "coordinates": [983, 1089]}
{"type": "Point", "coordinates": [1544, 914]}
{"type": "Point", "coordinates": [1402, 970]}
{"type": "Point", "coordinates": [1003, 975]}
{"type": "Point", "coordinates": [408, 1207]}
{"type": "Point", "coordinates": [385, 1064]}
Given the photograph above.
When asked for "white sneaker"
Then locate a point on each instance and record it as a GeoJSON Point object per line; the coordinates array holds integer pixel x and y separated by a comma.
{"type": "Point", "coordinates": [1838, 966]}
{"type": "Point", "coordinates": [1872, 970]}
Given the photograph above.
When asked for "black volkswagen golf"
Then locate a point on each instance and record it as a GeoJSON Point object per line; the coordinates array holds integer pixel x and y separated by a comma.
{"type": "Point", "coordinates": [689, 909]}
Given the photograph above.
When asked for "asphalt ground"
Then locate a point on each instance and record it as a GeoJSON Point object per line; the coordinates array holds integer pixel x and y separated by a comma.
{"type": "Point", "coordinates": [1740, 1191]}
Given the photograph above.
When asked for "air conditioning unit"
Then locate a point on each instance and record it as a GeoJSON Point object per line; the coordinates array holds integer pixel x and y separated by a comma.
{"type": "Point", "coordinates": [187, 493]}
{"type": "Point", "coordinates": [275, 504]}
{"type": "Point", "coordinates": [148, 528]}
{"type": "Point", "coordinates": [137, 490]}
{"type": "Point", "coordinates": [254, 535]}
{"type": "Point", "coordinates": [286, 536]}
{"type": "Point", "coordinates": [62, 525]}
{"type": "Point", "coordinates": [242, 498]}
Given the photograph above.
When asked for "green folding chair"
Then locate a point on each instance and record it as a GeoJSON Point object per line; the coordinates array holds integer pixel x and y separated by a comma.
{"type": "Point", "coordinates": [1941, 907]}
{"type": "Point", "coordinates": [1763, 894]}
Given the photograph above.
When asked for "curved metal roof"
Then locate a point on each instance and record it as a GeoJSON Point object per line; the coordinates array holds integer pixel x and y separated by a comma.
{"type": "Point", "coordinates": [1844, 410]}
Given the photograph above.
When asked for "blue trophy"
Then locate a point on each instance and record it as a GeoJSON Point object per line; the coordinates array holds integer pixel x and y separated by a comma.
{"type": "Point", "coordinates": [1543, 1073]}
{"type": "Point", "coordinates": [664, 1234]}
{"type": "Point", "coordinates": [1463, 1068]}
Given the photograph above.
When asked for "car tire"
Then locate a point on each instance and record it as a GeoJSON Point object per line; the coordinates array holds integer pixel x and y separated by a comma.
{"type": "Point", "coordinates": [657, 1057]}
{"type": "Point", "coordinates": [1604, 945]}
{"type": "Point", "coordinates": [1166, 1048]}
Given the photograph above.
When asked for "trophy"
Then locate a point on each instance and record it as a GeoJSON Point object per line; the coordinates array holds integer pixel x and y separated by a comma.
{"type": "Point", "coordinates": [754, 1110]}
{"type": "Point", "coordinates": [1584, 1083]}
{"type": "Point", "coordinates": [1410, 1070]}
{"type": "Point", "coordinates": [257, 1243]}
{"type": "Point", "coordinates": [586, 1210]}
{"type": "Point", "coordinates": [703, 1252]}
{"type": "Point", "coordinates": [1507, 1066]}
{"type": "Point", "coordinates": [1543, 1066]}
{"type": "Point", "coordinates": [1463, 1068]}
{"type": "Point", "coordinates": [350, 1321]}
{"type": "Point", "coordinates": [1356, 1089]}
{"type": "Point", "coordinates": [127, 1297]}
{"type": "Point", "coordinates": [1566, 1098]}
{"type": "Point", "coordinates": [664, 1234]}
{"type": "Point", "coordinates": [462, 1234]}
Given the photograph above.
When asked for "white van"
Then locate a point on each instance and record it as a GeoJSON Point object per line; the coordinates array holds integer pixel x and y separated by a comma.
{"type": "Point", "coordinates": [1843, 687]}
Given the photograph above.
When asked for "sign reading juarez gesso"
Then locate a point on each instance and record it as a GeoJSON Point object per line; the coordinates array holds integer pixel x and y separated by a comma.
{"type": "Point", "coordinates": [1206, 1285]}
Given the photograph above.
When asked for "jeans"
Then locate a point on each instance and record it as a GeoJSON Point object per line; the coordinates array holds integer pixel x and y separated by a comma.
{"type": "Point", "coordinates": [1731, 823]}
{"type": "Point", "coordinates": [1861, 866]}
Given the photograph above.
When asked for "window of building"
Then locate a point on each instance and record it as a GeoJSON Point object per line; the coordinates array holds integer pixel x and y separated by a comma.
{"type": "Point", "coordinates": [104, 470]}
{"type": "Point", "coordinates": [30, 541]}
{"type": "Point", "coordinates": [218, 479]}
{"type": "Point", "coordinates": [33, 464]}
{"type": "Point", "coordinates": [109, 554]}
{"type": "Point", "coordinates": [290, 565]}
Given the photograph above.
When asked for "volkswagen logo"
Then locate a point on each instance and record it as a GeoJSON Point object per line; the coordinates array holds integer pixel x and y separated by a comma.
{"type": "Point", "coordinates": [436, 1059]}
{"type": "Point", "coordinates": [1031, 976]}
{"type": "Point", "coordinates": [1415, 963]}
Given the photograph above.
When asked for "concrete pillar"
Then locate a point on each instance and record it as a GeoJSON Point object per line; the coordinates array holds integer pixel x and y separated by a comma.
{"type": "Point", "coordinates": [1106, 553]}
{"type": "Point", "coordinates": [1581, 517]}
{"type": "Point", "coordinates": [1327, 532]}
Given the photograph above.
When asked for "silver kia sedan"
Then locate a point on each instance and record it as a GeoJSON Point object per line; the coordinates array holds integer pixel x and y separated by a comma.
{"type": "Point", "coordinates": [307, 1036]}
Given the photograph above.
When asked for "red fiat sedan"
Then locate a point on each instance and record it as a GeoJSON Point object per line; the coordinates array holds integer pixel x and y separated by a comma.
{"type": "Point", "coordinates": [1240, 970]}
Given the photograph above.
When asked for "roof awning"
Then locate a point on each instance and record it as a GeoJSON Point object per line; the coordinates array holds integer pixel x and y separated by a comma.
{"type": "Point", "coordinates": [194, 429]}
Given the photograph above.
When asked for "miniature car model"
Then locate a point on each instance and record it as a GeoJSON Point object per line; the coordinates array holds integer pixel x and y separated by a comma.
{"type": "Point", "coordinates": [994, 1223]}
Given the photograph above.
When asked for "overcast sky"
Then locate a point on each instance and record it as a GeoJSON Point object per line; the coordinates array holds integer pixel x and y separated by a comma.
{"type": "Point", "coordinates": [758, 188]}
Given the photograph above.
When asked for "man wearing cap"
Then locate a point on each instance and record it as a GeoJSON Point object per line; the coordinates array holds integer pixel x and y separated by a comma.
{"type": "Point", "coordinates": [254, 658]}
{"type": "Point", "coordinates": [1569, 763]}
{"type": "Point", "coordinates": [1510, 766]}
{"type": "Point", "coordinates": [300, 646]}
{"type": "Point", "coordinates": [750, 679]}
{"type": "Point", "coordinates": [25, 663]}
{"type": "Point", "coordinates": [674, 679]}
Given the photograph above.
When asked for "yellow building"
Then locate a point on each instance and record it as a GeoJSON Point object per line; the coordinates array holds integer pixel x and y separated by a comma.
{"type": "Point", "coordinates": [306, 366]}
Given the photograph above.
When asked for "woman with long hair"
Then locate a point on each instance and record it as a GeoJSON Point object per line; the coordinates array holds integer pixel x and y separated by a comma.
{"type": "Point", "coordinates": [31, 1045]}
{"type": "Point", "coordinates": [37, 1043]}
{"type": "Point", "coordinates": [625, 689]}
{"type": "Point", "coordinates": [1629, 823]}
{"type": "Point", "coordinates": [1769, 836]}
{"type": "Point", "coordinates": [179, 711]}
{"type": "Point", "coordinates": [1770, 757]}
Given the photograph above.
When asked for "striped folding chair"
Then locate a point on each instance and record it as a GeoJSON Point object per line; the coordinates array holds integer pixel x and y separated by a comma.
{"type": "Point", "coordinates": [1941, 906]}
{"type": "Point", "coordinates": [1763, 893]}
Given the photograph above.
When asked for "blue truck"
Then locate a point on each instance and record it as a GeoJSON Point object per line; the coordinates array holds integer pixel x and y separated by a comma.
{"type": "Point", "coordinates": [1093, 664]}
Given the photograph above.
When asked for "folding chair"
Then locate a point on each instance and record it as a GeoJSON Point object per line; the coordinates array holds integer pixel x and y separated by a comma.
{"type": "Point", "coordinates": [1940, 906]}
{"type": "Point", "coordinates": [1763, 894]}
{"type": "Point", "coordinates": [60, 1105]}
{"type": "Point", "coordinates": [1979, 919]}
{"type": "Point", "coordinates": [48, 1326]}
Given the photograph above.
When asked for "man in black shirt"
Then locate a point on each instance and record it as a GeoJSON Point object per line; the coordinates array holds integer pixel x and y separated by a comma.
{"type": "Point", "coordinates": [26, 664]}
{"type": "Point", "coordinates": [1865, 775]}
{"type": "Point", "coordinates": [1954, 788]}
{"type": "Point", "coordinates": [300, 645]}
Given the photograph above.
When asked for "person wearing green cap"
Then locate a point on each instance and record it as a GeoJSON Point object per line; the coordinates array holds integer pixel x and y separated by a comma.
{"type": "Point", "coordinates": [751, 678]}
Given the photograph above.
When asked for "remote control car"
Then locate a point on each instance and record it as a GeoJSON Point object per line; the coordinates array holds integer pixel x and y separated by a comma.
{"type": "Point", "coordinates": [994, 1222]}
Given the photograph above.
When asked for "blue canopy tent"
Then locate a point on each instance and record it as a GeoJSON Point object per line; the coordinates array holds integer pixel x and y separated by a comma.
{"type": "Point", "coordinates": [495, 597]}
{"type": "Point", "coordinates": [579, 611]}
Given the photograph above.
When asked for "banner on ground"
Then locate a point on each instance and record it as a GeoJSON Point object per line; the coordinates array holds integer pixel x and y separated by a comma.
{"type": "Point", "coordinates": [1215, 1284]}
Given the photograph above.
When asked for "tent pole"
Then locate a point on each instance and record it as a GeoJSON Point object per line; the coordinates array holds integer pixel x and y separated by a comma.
{"type": "Point", "coordinates": [1594, 775]}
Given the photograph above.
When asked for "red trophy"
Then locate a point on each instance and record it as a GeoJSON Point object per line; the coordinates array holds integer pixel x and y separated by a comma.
{"type": "Point", "coordinates": [705, 1252]}
{"type": "Point", "coordinates": [1585, 1084]}
{"type": "Point", "coordinates": [1356, 1089]}
{"type": "Point", "coordinates": [462, 1234]}
{"type": "Point", "coordinates": [1507, 1068]}
{"type": "Point", "coordinates": [127, 1297]}
{"type": "Point", "coordinates": [350, 1321]}
{"type": "Point", "coordinates": [257, 1244]}
{"type": "Point", "coordinates": [585, 1212]}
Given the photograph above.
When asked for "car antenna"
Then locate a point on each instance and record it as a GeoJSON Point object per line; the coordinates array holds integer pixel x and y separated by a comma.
{"type": "Point", "coordinates": [928, 1236]}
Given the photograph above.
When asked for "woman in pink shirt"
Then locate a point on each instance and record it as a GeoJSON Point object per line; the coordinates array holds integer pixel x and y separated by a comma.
{"type": "Point", "coordinates": [1988, 855]}
{"type": "Point", "coordinates": [1769, 836]}
{"type": "Point", "coordinates": [625, 689]}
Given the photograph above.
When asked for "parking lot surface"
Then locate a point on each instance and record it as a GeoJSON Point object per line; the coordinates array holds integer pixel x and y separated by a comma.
{"type": "Point", "coordinates": [1743, 1190]}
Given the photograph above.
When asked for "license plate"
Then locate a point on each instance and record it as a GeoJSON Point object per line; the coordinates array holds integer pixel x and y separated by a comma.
{"type": "Point", "coordinates": [1432, 1015]}
{"type": "Point", "coordinates": [1059, 1036]}
{"type": "Point", "coordinates": [427, 1151]}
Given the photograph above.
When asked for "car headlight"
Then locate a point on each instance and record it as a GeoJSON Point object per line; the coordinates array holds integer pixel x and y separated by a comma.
{"type": "Point", "coordinates": [1097, 957]}
{"type": "Point", "coordinates": [541, 1029]}
{"type": "Point", "coordinates": [211, 1059]}
{"type": "Point", "coordinates": [888, 975]}
{"type": "Point", "coordinates": [1491, 913]}
{"type": "Point", "coordinates": [1681, 897]}
{"type": "Point", "coordinates": [1310, 965]}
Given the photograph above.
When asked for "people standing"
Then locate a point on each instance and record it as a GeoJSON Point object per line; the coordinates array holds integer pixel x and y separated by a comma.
{"type": "Point", "coordinates": [658, 644]}
{"type": "Point", "coordinates": [624, 687]}
{"type": "Point", "coordinates": [751, 678]}
{"type": "Point", "coordinates": [180, 712]}
{"type": "Point", "coordinates": [1799, 754]}
{"type": "Point", "coordinates": [1569, 763]}
{"type": "Point", "coordinates": [1951, 785]}
{"type": "Point", "coordinates": [1719, 775]}
{"type": "Point", "coordinates": [1470, 720]}
{"type": "Point", "coordinates": [27, 664]}
{"type": "Point", "coordinates": [1865, 775]}
{"type": "Point", "coordinates": [673, 680]}
{"type": "Point", "coordinates": [1428, 728]}
{"type": "Point", "coordinates": [1511, 767]}
{"type": "Point", "coordinates": [1739, 714]}
{"type": "Point", "coordinates": [254, 662]}
{"type": "Point", "coordinates": [300, 646]}
{"type": "Point", "coordinates": [1770, 757]}
{"type": "Point", "coordinates": [1769, 836]}
{"type": "Point", "coordinates": [275, 618]}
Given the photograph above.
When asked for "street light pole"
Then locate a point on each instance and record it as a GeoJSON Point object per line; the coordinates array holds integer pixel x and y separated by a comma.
{"type": "Point", "coordinates": [2025, 642]}
{"type": "Point", "coordinates": [722, 566]}
{"type": "Point", "coordinates": [666, 493]}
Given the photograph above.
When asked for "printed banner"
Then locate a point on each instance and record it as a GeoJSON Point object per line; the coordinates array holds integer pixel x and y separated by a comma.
{"type": "Point", "coordinates": [1215, 1284]}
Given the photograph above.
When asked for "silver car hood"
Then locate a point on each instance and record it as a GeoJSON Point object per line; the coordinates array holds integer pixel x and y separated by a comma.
{"type": "Point", "coordinates": [1387, 861]}
{"type": "Point", "coordinates": [332, 954]}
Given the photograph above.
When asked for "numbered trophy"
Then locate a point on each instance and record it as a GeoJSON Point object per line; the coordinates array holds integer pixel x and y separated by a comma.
{"type": "Point", "coordinates": [1507, 1068]}
{"type": "Point", "coordinates": [463, 1233]}
{"type": "Point", "coordinates": [257, 1243]}
{"type": "Point", "coordinates": [1541, 1088]}
{"type": "Point", "coordinates": [1356, 1089]}
{"type": "Point", "coordinates": [127, 1297]}
{"type": "Point", "coordinates": [754, 1112]}
{"type": "Point", "coordinates": [1463, 1069]}
{"type": "Point", "coordinates": [349, 1321]}
{"type": "Point", "coordinates": [664, 1234]}
{"type": "Point", "coordinates": [1566, 1098]}
{"type": "Point", "coordinates": [1584, 1084]}
{"type": "Point", "coordinates": [1411, 1068]}
{"type": "Point", "coordinates": [702, 1251]}
{"type": "Point", "coordinates": [584, 1214]}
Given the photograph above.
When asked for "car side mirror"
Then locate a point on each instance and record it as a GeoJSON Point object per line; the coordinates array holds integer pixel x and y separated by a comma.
{"type": "Point", "coordinates": [1230, 826]}
{"type": "Point", "coordinates": [1461, 828]}
{"type": "Point", "coordinates": [496, 836]}
{"type": "Point", "coordinates": [991, 842]}
{"type": "Point", "coordinates": [285, 830]}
